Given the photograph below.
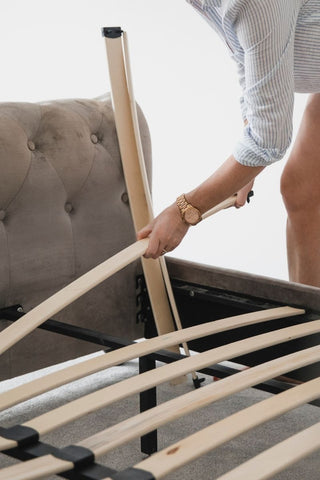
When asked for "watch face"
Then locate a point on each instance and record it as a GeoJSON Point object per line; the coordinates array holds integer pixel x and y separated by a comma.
{"type": "Point", "coordinates": [192, 215]}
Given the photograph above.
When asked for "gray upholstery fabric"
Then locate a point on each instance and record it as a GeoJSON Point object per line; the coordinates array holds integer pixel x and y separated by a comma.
{"type": "Point", "coordinates": [63, 210]}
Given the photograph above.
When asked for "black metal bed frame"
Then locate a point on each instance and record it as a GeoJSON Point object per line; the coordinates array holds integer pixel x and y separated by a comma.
{"type": "Point", "coordinates": [188, 297]}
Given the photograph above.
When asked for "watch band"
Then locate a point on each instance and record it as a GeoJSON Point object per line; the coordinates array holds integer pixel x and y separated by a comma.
{"type": "Point", "coordinates": [189, 214]}
{"type": "Point", "coordinates": [182, 203]}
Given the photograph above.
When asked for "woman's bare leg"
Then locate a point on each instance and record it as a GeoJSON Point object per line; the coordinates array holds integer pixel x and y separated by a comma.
{"type": "Point", "coordinates": [300, 187]}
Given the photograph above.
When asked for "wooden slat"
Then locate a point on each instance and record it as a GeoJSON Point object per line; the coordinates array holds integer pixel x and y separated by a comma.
{"type": "Point", "coordinates": [157, 279]}
{"type": "Point", "coordinates": [74, 372]}
{"type": "Point", "coordinates": [279, 457]}
{"type": "Point", "coordinates": [129, 429]}
{"type": "Point", "coordinates": [200, 443]}
{"type": "Point", "coordinates": [69, 294]}
{"type": "Point", "coordinates": [229, 202]}
{"type": "Point", "coordinates": [77, 408]}
{"type": "Point", "coordinates": [136, 178]}
{"type": "Point", "coordinates": [36, 468]}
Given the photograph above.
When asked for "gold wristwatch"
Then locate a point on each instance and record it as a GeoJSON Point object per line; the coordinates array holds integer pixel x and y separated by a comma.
{"type": "Point", "coordinates": [189, 214]}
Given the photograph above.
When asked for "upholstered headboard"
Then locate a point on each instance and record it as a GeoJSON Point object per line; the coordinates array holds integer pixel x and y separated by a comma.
{"type": "Point", "coordinates": [63, 210]}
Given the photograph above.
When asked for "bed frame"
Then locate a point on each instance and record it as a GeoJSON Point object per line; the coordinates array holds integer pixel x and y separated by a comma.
{"type": "Point", "coordinates": [298, 338]}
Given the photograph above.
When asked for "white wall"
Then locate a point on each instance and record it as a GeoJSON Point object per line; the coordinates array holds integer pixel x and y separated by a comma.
{"type": "Point", "coordinates": [188, 89]}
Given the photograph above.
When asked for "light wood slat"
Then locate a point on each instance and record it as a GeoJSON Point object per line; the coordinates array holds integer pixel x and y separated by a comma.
{"type": "Point", "coordinates": [37, 468]}
{"type": "Point", "coordinates": [157, 279]}
{"type": "Point", "coordinates": [74, 372]}
{"type": "Point", "coordinates": [94, 401]}
{"type": "Point", "coordinates": [183, 452]}
{"type": "Point", "coordinates": [136, 179]}
{"type": "Point", "coordinates": [229, 202]}
{"type": "Point", "coordinates": [127, 430]}
{"type": "Point", "coordinates": [70, 293]}
{"type": "Point", "coordinates": [135, 123]}
{"type": "Point", "coordinates": [279, 457]}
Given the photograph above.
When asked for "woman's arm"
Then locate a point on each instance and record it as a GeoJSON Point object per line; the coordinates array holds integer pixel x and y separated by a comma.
{"type": "Point", "coordinates": [265, 31]}
{"type": "Point", "coordinates": [168, 229]}
{"type": "Point", "coordinates": [228, 179]}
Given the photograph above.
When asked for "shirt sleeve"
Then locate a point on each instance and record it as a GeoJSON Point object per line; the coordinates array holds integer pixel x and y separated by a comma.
{"type": "Point", "coordinates": [265, 30]}
{"type": "Point", "coordinates": [242, 81]}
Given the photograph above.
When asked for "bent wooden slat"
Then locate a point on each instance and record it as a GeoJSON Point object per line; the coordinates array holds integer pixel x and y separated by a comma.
{"type": "Point", "coordinates": [74, 372]}
{"type": "Point", "coordinates": [94, 401]}
{"type": "Point", "coordinates": [67, 295]}
{"type": "Point", "coordinates": [277, 458]}
{"type": "Point", "coordinates": [37, 468]}
{"type": "Point", "coordinates": [127, 430]}
{"type": "Point", "coordinates": [229, 202]}
{"type": "Point", "coordinates": [162, 262]}
{"type": "Point", "coordinates": [136, 178]}
{"type": "Point", "coordinates": [200, 443]}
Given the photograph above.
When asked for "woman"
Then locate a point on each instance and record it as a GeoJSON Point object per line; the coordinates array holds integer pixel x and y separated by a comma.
{"type": "Point", "coordinates": [276, 44]}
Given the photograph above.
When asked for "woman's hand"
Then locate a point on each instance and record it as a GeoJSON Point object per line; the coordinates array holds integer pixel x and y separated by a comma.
{"type": "Point", "coordinates": [242, 194]}
{"type": "Point", "coordinates": [165, 232]}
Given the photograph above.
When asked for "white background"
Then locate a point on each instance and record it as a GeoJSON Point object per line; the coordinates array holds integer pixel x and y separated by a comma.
{"type": "Point", "coordinates": [187, 86]}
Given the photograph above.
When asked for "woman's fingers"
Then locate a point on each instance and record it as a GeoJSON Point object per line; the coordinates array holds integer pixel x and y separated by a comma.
{"type": "Point", "coordinates": [242, 195]}
{"type": "Point", "coordinates": [165, 232]}
{"type": "Point", "coordinates": [145, 231]}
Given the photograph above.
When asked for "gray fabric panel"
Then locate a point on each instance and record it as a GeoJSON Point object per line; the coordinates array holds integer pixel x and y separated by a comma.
{"type": "Point", "coordinates": [39, 236]}
{"type": "Point", "coordinates": [4, 266]}
{"type": "Point", "coordinates": [63, 210]}
{"type": "Point", "coordinates": [15, 159]}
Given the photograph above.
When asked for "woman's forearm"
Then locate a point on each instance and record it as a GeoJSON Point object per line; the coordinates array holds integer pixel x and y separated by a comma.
{"type": "Point", "coordinates": [167, 230]}
{"type": "Point", "coordinates": [224, 182]}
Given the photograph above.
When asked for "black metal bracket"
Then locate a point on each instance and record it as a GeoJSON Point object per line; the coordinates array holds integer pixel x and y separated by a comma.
{"type": "Point", "coordinates": [11, 313]}
{"type": "Point", "coordinates": [144, 309]}
{"type": "Point", "coordinates": [148, 399]}
{"type": "Point", "coordinates": [14, 312]}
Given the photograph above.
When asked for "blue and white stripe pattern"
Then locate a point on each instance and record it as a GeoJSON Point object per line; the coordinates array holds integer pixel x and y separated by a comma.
{"type": "Point", "coordinates": [276, 44]}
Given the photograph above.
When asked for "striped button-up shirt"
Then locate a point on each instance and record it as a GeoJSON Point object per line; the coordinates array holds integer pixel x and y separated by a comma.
{"type": "Point", "coordinates": [276, 44]}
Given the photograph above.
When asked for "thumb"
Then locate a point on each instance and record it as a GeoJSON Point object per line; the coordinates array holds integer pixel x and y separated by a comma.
{"type": "Point", "coordinates": [145, 231]}
{"type": "Point", "coordinates": [241, 199]}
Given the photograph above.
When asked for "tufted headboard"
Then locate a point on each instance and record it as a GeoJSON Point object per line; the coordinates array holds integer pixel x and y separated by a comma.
{"type": "Point", "coordinates": [63, 210]}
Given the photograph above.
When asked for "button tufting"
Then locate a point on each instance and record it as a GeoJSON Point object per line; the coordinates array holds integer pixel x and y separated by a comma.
{"type": "Point", "coordinates": [31, 145]}
{"type": "Point", "coordinates": [2, 215]}
{"type": "Point", "coordinates": [125, 198]}
{"type": "Point", "coordinates": [68, 207]}
{"type": "Point", "coordinates": [94, 138]}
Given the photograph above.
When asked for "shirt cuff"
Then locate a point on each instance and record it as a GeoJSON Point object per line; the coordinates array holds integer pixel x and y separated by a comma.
{"type": "Point", "coordinates": [249, 153]}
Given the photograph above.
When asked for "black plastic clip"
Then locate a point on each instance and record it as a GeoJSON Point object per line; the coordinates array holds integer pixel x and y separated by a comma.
{"type": "Point", "coordinates": [22, 435]}
{"type": "Point", "coordinates": [250, 194]}
{"type": "Point", "coordinates": [133, 474]}
{"type": "Point", "coordinates": [80, 457]}
{"type": "Point", "coordinates": [112, 32]}
{"type": "Point", "coordinates": [197, 381]}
